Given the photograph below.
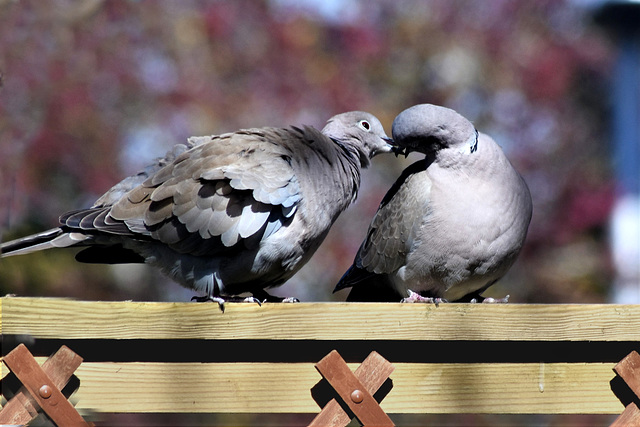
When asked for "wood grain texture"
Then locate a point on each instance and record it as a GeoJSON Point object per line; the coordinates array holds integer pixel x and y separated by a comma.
{"type": "Point", "coordinates": [285, 388]}
{"type": "Point", "coordinates": [629, 418]}
{"type": "Point", "coordinates": [67, 319]}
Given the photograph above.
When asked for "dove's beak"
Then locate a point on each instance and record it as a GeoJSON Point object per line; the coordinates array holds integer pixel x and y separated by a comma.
{"type": "Point", "coordinates": [397, 150]}
{"type": "Point", "coordinates": [390, 146]}
{"type": "Point", "coordinates": [387, 147]}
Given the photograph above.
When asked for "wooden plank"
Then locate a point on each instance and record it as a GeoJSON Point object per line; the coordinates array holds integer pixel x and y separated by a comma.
{"type": "Point", "coordinates": [509, 388]}
{"type": "Point", "coordinates": [319, 321]}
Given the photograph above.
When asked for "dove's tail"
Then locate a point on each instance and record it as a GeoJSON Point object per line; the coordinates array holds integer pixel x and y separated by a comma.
{"type": "Point", "coordinates": [367, 286]}
{"type": "Point", "coordinates": [54, 238]}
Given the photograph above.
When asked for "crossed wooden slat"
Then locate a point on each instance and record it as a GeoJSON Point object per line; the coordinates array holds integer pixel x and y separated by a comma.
{"type": "Point", "coordinates": [354, 390]}
{"type": "Point", "coordinates": [41, 388]}
{"type": "Point", "coordinates": [629, 370]}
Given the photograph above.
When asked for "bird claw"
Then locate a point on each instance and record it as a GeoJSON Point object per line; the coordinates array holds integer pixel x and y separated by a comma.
{"type": "Point", "coordinates": [221, 300]}
{"type": "Point", "coordinates": [496, 300]}
{"type": "Point", "coordinates": [490, 300]}
{"type": "Point", "coordinates": [210, 298]}
{"type": "Point", "coordinates": [267, 297]}
{"type": "Point", "coordinates": [253, 299]}
{"type": "Point", "coordinates": [416, 297]}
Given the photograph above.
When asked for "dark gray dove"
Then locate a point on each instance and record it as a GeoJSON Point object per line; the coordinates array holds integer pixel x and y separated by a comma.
{"type": "Point", "coordinates": [227, 214]}
{"type": "Point", "coordinates": [451, 225]}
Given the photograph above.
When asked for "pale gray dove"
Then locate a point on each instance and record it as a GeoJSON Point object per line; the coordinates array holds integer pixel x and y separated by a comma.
{"type": "Point", "coordinates": [227, 214]}
{"type": "Point", "coordinates": [451, 225]}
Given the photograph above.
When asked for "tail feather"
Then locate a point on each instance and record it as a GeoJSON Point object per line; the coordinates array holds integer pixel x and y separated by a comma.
{"type": "Point", "coordinates": [54, 238]}
{"type": "Point", "coordinates": [367, 286]}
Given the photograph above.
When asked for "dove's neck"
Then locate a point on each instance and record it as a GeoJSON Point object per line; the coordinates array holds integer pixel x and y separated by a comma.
{"type": "Point", "coordinates": [486, 162]}
{"type": "Point", "coordinates": [470, 146]}
{"type": "Point", "coordinates": [336, 166]}
{"type": "Point", "coordinates": [350, 161]}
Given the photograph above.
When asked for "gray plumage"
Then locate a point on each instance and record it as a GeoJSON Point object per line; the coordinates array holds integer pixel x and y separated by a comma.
{"type": "Point", "coordinates": [227, 214]}
{"type": "Point", "coordinates": [452, 224]}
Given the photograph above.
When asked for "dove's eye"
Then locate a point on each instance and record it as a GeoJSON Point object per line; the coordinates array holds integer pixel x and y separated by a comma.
{"type": "Point", "coordinates": [364, 125]}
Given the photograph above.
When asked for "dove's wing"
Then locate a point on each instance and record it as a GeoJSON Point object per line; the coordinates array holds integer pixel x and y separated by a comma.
{"type": "Point", "coordinates": [238, 187]}
{"type": "Point", "coordinates": [393, 228]}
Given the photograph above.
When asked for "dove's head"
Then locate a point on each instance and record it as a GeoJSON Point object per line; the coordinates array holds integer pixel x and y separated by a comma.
{"type": "Point", "coordinates": [359, 132]}
{"type": "Point", "coordinates": [430, 128]}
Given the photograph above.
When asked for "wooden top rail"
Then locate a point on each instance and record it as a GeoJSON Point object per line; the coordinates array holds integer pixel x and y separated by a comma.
{"type": "Point", "coordinates": [455, 358]}
{"type": "Point", "coordinates": [68, 319]}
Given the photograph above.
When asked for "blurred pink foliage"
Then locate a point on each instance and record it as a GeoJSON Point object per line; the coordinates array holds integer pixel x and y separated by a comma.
{"type": "Point", "coordinates": [93, 90]}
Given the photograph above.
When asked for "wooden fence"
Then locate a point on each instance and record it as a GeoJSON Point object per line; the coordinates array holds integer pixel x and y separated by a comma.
{"type": "Point", "coordinates": [453, 358]}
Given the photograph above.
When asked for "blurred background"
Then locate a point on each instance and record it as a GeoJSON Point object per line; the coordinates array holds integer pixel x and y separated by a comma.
{"type": "Point", "coordinates": [93, 90]}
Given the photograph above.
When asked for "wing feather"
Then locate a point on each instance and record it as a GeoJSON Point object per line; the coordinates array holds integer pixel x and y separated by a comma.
{"type": "Point", "coordinates": [396, 222]}
{"type": "Point", "coordinates": [212, 196]}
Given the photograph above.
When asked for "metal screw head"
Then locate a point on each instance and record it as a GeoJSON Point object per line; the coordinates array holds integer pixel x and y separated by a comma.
{"type": "Point", "coordinates": [357, 396]}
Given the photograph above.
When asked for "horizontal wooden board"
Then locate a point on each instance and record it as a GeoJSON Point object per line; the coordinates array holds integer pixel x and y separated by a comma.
{"type": "Point", "coordinates": [67, 319]}
{"type": "Point", "coordinates": [285, 388]}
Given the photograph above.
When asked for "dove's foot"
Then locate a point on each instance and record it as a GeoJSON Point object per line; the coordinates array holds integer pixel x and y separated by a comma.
{"type": "Point", "coordinates": [490, 300]}
{"type": "Point", "coordinates": [221, 301]}
{"type": "Point", "coordinates": [210, 298]}
{"type": "Point", "coordinates": [266, 297]}
{"type": "Point", "coordinates": [416, 297]}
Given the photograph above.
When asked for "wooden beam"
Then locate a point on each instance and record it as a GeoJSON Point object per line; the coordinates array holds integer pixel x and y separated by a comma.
{"type": "Point", "coordinates": [67, 319]}
{"type": "Point", "coordinates": [285, 388]}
